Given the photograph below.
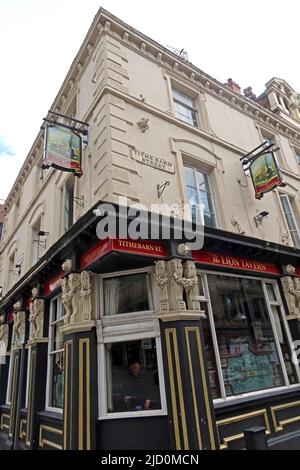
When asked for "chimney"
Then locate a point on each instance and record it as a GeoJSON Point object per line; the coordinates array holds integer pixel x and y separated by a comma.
{"type": "Point", "coordinates": [249, 93]}
{"type": "Point", "coordinates": [233, 85]}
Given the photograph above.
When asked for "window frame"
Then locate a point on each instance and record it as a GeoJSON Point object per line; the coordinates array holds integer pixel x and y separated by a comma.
{"type": "Point", "coordinates": [127, 273]}
{"type": "Point", "coordinates": [235, 398]}
{"type": "Point", "coordinates": [135, 326]}
{"type": "Point", "coordinates": [292, 213]}
{"type": "Point", "coordinates": [210, 194]}
{"type": "Point", "coordinates": [193, 108]}
{"type": "Point", "coordinates": [50, 353]}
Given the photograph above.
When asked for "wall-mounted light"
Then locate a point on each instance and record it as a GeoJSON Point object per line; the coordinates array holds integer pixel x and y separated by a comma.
{"type": "Point", "coordinates": [79, 201]}
{"type": "Point", "coordinates": [41, 243]}
{"type": "Point", "coordinates": [260, 217]}
{"type": "Point", "coordinates": [16, 271]}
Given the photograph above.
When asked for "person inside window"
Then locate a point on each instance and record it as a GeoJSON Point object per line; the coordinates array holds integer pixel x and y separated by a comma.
{"type": "Point", "coordinates": [137, 398]}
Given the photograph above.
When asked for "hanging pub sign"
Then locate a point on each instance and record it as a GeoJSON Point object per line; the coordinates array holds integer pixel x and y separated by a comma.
{"type": "Point", "coordinates": [63, 144]}
{"type": "Point", "coordinates": [262, 165]}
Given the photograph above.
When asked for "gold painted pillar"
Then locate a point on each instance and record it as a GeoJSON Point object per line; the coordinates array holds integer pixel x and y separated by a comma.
{"type": "Point", "coordinates": [80, 387]}
{"type": "Point", "coordinates": [192, 423]}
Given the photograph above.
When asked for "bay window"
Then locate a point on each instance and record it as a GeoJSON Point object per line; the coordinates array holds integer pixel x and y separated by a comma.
{"type": "Point", "coordinates": [246, 334]}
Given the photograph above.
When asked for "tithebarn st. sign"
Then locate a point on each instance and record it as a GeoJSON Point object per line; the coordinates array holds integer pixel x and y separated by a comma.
{"type": "Point", "coordinates": [155, 162]}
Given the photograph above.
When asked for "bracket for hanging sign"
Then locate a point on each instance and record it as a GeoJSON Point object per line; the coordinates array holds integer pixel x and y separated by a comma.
{"type": "Point", "coordinates": [80, 201]}
{"type": "Point", "coordinates": [162, 187]}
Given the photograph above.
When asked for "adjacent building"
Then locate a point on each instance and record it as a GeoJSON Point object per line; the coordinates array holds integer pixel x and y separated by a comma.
{"type": "Point", "coordinates": [134, 344]}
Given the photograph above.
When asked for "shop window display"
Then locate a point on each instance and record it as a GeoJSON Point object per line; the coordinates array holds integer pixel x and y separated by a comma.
{"type": "Point", "coordinates": [252, 345]}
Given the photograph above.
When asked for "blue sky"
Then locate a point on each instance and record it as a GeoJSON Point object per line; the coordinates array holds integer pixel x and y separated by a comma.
{"type": "Point", "coordinates": [248, 41]}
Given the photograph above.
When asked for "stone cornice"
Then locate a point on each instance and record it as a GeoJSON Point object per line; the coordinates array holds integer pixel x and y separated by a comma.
{"type": "Point", "coordinates": [106, 23]}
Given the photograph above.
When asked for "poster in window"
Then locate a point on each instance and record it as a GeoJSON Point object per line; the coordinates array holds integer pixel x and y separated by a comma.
{"type": "Point", "coordinates": [249, 372]}
{"type": "Point", "coordinates": [63, 149]}
{"type": "Point", "coordinates": [265, 174]}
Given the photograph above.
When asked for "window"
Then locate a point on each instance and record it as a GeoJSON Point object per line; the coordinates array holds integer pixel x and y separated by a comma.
{"type": "Point", "coordinates": [16, 212]}
{"type": "Point", "coordinates": [68, 205]}
{"type": "Point", "coordinates": [287, 205]}
{"type": "Point", "coordinates": [12, 275]}
{"type": "Point", "coordinates": [125, 294]}
{"type": "Point", "coordinates": [131, 379]}
{"type": "Point", "coordinates": [39, 177]}
{"type": "Point", "coordinates": [248, 343]}
{"type": "Point", "coordinates": [199, 195]}
{"type": "Point", "coordinates": [132, 376]}
{"type": "Point", "coordinates": [184, 107]}
{"type": "Point", "coordinates": [55, 377]}
{"type": "Point", "coordinates": [36, 242]}
{"type": "Point", "coordinates": [283, 103]}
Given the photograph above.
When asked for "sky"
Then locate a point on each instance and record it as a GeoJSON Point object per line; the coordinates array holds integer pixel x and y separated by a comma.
{"type": "Point", "coordinates": [249, 42]}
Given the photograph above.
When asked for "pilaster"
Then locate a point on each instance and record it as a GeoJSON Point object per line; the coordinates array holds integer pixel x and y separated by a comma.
{"type": "Point", "coordinates": [190, 407]}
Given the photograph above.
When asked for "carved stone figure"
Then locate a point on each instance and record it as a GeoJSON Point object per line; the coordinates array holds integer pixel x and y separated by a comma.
{"type": "Point", "coordinates": [182, 249]}
{"type": "Point", "coordinates": [74, 292]}
{"type": "Point", "coordinates": [67, 266]}
{"type": "Point", "coordinates": [289, 292]}
{"type": "Point", "coordinates": [35, 292]}
{"type": "Point", "coordinates": [290, 269]}
{"type": "Point", "coordinates": [36, 319]}
{"type": "Point", "coordinates": [162, 282]}
{"type": "Point", "coordinates": [87, 295]}
{"type": "Point", "coordinates": [191, 285]}
{"type": "Point", "coordinates": [67, 299]}
{"type": "Point", "coordinates": [18, 328]}
{"type": "Point", "coordinates": [3, 339]}
{"type": "Point", "coordinates": [175, 284]}
{"type": "Point", "coordinates": [296, 293]}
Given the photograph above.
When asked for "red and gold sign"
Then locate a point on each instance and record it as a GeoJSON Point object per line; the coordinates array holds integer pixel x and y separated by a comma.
{"type": "Point", "coordinates": [235, 262]}
{"type": "Point", "coordinates": [148, 248]}
{"type": "Point", "coordinates": [53, 283]}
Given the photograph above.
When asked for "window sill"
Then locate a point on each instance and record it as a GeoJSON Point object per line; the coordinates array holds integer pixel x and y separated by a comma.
{"type": "Point", "coordinates": [220, 403]}
{"type": "Point", "coordinates": [135, 414]}
{"type": "Point", "coordinates": [51, 415]}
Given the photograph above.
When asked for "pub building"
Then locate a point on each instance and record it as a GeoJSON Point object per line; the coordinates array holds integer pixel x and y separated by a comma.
{"type": "Point", "coordinates": [126, 343]}
{"type": "Point", "coordinates": [209, 332]}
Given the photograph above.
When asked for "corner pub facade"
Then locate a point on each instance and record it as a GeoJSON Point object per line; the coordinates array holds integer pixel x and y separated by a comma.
{"type": "Point", "coordinates": [143, 344]}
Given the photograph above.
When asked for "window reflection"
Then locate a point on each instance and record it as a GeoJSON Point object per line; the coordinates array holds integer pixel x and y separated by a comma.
{"type": "Point", "coordinates": [132, 376]}
{"type": "Point", "coordinates": [247, 348]}
{"type": "Point", "coordinates": [125, 294]}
